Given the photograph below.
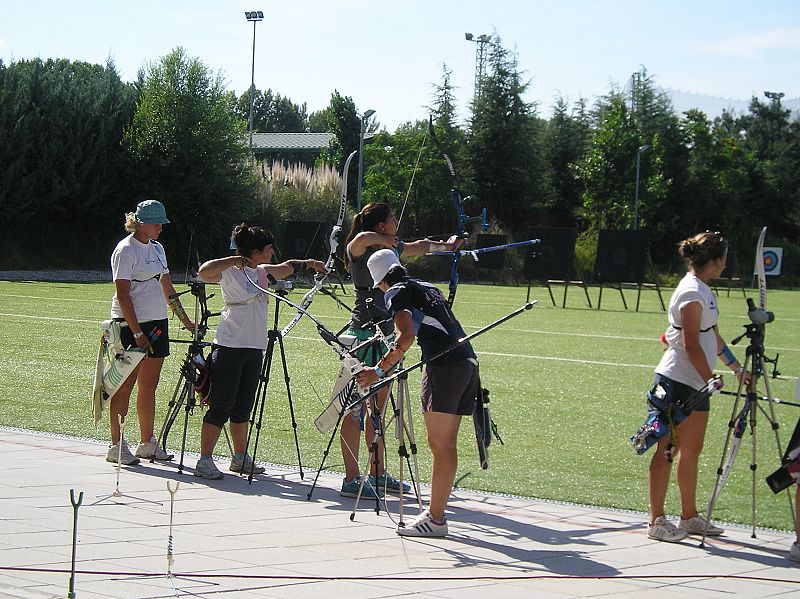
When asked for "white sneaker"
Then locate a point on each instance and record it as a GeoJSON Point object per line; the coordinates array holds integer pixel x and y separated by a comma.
{"type": "Point", "coordinates": [151, 449]}
{"type": "Point", "coordinates": [794, 552]}
{"type": "Point", "coordinates": [126, 458]}
{"type": "Point", "coordinates": [664, 530]}
{"type": "Point", "coordinates": [697, 525]}
{"type": "Point", "coordinates": [424, 526]}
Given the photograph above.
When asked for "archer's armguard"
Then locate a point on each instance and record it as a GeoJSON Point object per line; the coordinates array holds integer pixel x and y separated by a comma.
{"type": "Point", "coordinates": [392, 358]}
{"type": "Point", "coordinates": [177, 308]}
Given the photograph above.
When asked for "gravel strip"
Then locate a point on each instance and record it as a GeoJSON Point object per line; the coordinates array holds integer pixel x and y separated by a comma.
{"type": "Point", "coordinates": [63, 276]}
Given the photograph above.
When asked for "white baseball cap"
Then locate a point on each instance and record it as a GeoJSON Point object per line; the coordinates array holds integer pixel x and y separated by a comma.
{"type": "Point", "coordinates": [380, 263]}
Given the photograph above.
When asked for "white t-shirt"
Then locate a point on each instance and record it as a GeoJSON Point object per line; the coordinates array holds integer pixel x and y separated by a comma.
{"type": "Point", "coordinates": [142, 264]}
{"type": "Point", "coordinates": [243, 322]}
{"type": "Point", "coordinates": [675, 362]}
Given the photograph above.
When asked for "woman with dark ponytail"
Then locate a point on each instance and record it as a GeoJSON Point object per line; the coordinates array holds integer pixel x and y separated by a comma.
{"type": "Point", "coordinates": [240, 341]}
{"type": "Point", "coordinates": [693, 346]}
{"type": "Point", "coordinates": [374, 228]}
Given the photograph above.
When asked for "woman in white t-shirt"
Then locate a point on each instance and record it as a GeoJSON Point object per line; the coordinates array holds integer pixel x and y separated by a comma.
{"type": "Point", "coordinates": [239, 342]}
{"type": "Point", "coordinates": [693, 345]}
{"type": "Point", "coordinates": [143, 291]}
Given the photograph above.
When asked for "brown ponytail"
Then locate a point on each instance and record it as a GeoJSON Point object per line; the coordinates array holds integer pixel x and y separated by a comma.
{"type": "Point", "coordinates": [368, 219]}
{"type": "Point", "coordinates": [700, 249]}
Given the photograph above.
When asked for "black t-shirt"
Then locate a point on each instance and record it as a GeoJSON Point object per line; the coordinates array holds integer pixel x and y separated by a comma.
{"type": "Point", "coordinates": [435, 325]}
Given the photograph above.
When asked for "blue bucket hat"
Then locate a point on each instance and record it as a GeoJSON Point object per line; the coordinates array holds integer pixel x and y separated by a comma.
{"type": "Point", "coordinates": [151, 212]}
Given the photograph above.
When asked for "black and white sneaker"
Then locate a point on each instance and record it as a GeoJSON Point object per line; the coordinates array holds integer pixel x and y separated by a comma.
{"type": "Point", "coordinates": [424, 526]}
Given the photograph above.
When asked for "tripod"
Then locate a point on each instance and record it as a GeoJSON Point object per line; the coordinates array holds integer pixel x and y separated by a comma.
{"type": "Point", "coordinates": [183, 397]}
{"type": "Point", "coordinates": [403, 429]}
{"type": "Point", "coordinates": [273, 335]}
{"type": "Point", "coordinates": [747, 395]}
{"type": "Point", "coordinates": [347, 398]}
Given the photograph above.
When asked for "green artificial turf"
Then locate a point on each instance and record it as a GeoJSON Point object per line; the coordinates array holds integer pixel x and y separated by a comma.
{"type": "Point", "coordinates": [566, 386]}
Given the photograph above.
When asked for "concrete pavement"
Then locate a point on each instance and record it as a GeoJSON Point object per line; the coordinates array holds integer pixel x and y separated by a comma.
{"type": "Point", "coordinates": [266, 539]}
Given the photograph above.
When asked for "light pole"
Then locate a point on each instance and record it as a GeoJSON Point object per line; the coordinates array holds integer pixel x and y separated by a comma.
{"type": "Point", "coordinates": [480, 61]}
{"type": "Point", "coordinates": [642, 150]}
{"type": "Point", "coordinates": [255, 16]}
{"type": "Point", "coordinates": [364, 118]}
{"type": "Point", "coordinates": [774, 95]}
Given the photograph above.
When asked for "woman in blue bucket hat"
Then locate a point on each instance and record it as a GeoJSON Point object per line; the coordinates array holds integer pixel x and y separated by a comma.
{"type": "Point", "coordinates": [143, 292]}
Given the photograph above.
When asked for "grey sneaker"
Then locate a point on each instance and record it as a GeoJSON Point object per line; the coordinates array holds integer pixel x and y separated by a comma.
{"type": "Point", "coordinates": [151, 449]}
{"type": "Point", "coordinates": [424, 526]}
{"type": "Point", "coordinates": [664, 530]}
{"type": "Point", "coordinates": [243, 466]}
{"type": "Point", "coordinates": [794, 552]}
{"type": "Point", "coordinates": [697, 525]}
{"type": "Point", "coordinates": [206, 468]}
{"type": "Point", "coordinates": [126, 458]}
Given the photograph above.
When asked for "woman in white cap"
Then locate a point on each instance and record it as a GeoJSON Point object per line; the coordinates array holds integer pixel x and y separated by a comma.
{"type": "Point", "coordinates": [143, 292]}
{"type": "Point", "coordinates": [374, 228]}
{"type": "Point", "coordinates": [450, 383]}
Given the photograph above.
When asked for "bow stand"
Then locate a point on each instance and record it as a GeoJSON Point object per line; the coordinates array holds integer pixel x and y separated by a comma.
{"type": "Point", "coordinates": [193, 379]}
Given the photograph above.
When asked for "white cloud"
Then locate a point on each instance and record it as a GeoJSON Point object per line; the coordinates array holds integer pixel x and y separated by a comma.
{"type": "Point", "coordinates": [755, 45]}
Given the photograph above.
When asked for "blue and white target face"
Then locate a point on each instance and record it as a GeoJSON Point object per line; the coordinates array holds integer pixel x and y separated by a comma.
{"type": "Point", "coordinates": [773, 257]}
{"type": "Point", "coordinates": [771, 260]}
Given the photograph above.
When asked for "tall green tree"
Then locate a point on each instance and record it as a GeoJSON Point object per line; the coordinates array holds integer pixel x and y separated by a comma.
{"type": "Point", "coordinates": [408, 171]}
{"type": "Point", "coordinates": [607, 170]}
{"type": "Point", "coordinates": [769, 134]}
{"type": "Point", "coordinates": [272, 112]}
{"type": "Point", "coordinates": [60, 128]}
{"type": "Point", "coordinates": [190, 151]}
{"type": "Point", "coordinates": [506, 146]}
{"type": "Point", "coordinates": [638, 128]}
{"type": "Point", "coordinates": [340, 117]}
{"type": "Point", "coordinates": [566, 139]}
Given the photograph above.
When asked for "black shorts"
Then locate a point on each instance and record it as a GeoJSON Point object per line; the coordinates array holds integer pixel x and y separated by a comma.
{"type": "Point", "coordinates": [678, 392]}
{"type": "Point", "coordinates": [234, 381]}
{"type": "Point", "coordinates": [450, 388]}
{"type": "Point", "coordinates": [160, 345]}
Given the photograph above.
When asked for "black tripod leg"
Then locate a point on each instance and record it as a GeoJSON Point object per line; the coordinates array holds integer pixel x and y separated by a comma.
{"type": "Point", "coordinates": [186, 395]}
{"type": "Point", "coordinates": [258, 406]}
{"type": "Point", "coordinates": [325, 456]}
{"type": "Point", "coordinates": [378, 439]}
{"type": "Point", "coordinates": [173, 409]}
{"type": "Point", "coordinates": [291, 404]}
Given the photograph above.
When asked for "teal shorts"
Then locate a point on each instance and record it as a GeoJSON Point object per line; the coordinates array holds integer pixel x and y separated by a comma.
{"type": "Point", "coordinates": [369, 355]}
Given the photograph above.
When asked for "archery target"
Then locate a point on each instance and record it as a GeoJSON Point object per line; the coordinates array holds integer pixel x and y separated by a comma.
{"type": "Point", "coordinates": [773, 258]}
{"type": "Point", "coordinates": [553, 257]}
{"type": "Point", "coordinates": [494, 260]}
{"type": "Point", "coordinates": [620, 256]}
{"type": "Point", "coordinates": [304, 239]}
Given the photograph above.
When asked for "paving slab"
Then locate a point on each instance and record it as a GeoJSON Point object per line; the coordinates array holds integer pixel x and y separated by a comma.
{"type": "Point", "coordinates": [233, 538]}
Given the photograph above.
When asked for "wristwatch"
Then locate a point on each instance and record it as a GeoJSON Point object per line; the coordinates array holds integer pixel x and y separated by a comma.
{"type": "Point", "coordinates": [137, 335]}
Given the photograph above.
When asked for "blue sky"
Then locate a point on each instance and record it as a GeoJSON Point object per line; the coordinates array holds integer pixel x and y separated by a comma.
{"type": "Point", "coordinates": [387, 54]}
